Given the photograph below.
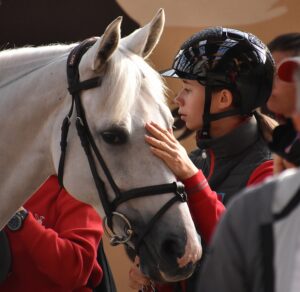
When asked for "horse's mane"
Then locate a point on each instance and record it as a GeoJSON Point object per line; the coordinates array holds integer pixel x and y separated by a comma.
{"type": "Point", "coordinates": [133, 78]}
{"type": "Point", "coordinates": [15, 63]}
{"type": "Point", "coordinates": [26, 55]}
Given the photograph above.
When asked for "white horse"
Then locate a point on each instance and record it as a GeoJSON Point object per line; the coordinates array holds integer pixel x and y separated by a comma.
{"type": "Point", "coordinates": [34, 100]}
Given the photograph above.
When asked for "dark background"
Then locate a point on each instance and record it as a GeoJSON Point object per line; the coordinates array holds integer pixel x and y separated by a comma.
{"type": "Point", "coordinates": [41, 22]}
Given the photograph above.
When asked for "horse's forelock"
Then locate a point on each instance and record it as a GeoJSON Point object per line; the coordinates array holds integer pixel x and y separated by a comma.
{"type": "Point", "coordinates": [130, 78]}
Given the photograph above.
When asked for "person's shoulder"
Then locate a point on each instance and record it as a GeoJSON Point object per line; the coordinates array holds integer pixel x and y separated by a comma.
{"type": "Point", "coordinates": [254, 200]}
{"type": "Point", "coordinates": [261, 172]}
{"type": "Point", "coordinates": [260, 197]}
{"type": "Point", "coordinates": [250, 193]}
{"type": "Point", "coordinates": [288, 183]}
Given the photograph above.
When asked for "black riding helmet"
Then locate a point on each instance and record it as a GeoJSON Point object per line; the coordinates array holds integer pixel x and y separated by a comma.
{"type": "Point", "coordinates": [226, 58]}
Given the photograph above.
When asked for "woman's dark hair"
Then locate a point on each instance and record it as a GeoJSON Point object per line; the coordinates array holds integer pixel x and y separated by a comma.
{"type": "Point", "coordinates": [286, 42]}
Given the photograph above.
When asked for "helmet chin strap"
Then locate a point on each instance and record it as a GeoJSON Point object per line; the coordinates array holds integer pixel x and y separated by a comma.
{"type": "Point", "coordinates": [204, 133]}
{"type": "Point", "coordinates": [208, 117]}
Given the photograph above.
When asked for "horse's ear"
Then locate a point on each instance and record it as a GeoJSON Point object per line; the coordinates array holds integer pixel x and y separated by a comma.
{"type": "Point", "coordinates": [106, 45]}
{"type": "Point", "coordinates": [144, 40]}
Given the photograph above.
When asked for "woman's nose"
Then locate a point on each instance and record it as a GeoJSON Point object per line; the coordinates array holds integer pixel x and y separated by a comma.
{"type": "Point", "coordinates": [178, 100]}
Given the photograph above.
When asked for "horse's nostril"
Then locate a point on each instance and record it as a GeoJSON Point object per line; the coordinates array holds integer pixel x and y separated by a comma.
{"type": "Point", "coordinates": [173, 248]}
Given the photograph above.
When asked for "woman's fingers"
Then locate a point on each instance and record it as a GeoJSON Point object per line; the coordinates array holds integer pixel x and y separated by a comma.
{"type": "Point", "coordinates": [161, 138]}
{"type": "Point", "coordinates": [160, 133]}
{"type": "Point", "coordinates": [165, 146]}
{"type": "Point", "coordinates": [165, 156]}
{"type": "Point", "coordinates": [137, 280]}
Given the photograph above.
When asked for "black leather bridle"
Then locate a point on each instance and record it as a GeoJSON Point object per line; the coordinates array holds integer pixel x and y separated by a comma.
{"type": "Point", "coordinates": [92, 151]}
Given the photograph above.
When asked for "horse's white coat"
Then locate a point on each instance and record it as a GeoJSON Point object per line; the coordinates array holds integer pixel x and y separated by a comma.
{"type": "Point", "coordinates": [34, 100]}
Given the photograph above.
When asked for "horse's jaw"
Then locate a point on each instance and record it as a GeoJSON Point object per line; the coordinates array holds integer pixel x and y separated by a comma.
{"type": "Point", "coordinates": [172, 249]}
{"type": "Point", "coordinates": [170, 271]}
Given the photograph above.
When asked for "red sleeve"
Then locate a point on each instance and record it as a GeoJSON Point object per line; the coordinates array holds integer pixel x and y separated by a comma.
{"type": "Point", "coordinates": [65, 253]}
{"type": "Point", "coordinates": [260, 173]}
{"type": "Point", "coordinates": [205, 207]}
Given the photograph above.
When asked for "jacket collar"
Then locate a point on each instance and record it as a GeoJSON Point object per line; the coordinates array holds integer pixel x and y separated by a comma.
{"type": "Point", "coordinates": [234, 142]}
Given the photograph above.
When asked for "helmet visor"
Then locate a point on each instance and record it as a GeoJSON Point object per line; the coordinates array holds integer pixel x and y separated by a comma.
{"type": "Point", "coordinates": [184, 67]}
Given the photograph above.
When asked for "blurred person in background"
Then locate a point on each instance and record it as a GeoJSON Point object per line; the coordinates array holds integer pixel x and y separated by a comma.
{"type": "Point", "coordinates": [256, 246]}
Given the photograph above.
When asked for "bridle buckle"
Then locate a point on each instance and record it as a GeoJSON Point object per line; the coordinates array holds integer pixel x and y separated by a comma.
{"type": "Point", "coordinates": [113, 237]}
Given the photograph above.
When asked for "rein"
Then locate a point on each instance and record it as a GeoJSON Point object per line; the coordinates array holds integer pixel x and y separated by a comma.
{"type": "Point", "coordinates": [90, 148]}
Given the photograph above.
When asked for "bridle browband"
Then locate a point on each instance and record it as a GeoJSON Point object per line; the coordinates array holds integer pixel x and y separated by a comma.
{"type": "Point", "coordinates": [90, 148]}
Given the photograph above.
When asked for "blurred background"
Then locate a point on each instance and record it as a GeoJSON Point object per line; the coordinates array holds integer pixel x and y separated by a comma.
{"type": "Point", "coordinates": [39, 22]}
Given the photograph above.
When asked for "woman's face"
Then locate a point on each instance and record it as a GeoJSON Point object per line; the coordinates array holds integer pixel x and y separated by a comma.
{"type": "Point", "coordinates": [190, 100]}
{"type": "Point", "coordinates": [282, 99]}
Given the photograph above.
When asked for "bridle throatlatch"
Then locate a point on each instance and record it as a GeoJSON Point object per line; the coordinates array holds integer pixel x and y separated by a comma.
{"type": "Point", "coordinates": [90, 148]}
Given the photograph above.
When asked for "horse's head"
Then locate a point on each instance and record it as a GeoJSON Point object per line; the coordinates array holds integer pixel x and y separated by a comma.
{"type": "Point", "coordinates": [131, 93]}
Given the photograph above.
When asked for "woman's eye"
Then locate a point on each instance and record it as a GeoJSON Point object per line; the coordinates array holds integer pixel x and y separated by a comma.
{"type": "Point", "coordinates": [114, 137]}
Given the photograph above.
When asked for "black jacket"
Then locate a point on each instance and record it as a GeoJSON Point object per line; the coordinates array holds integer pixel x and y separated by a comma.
{"type": "Point", "coordinates": [5, 258]}
{"type": "Point", "coordinates": [228, 161]}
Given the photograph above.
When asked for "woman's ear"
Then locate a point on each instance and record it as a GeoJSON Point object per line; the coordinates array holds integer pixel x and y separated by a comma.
{"type": "Point", "coordinates": [224, 99]}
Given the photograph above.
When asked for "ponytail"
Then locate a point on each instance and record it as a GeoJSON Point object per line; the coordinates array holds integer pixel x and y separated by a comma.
{"type": "Point", "coordinates": [266, 125]}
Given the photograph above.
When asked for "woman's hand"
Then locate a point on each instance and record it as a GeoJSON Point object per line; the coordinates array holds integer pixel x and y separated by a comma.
{"type": "Point", "coordinates": [137, 280]}
{"type": "Point", "coordinates": [165, 146]}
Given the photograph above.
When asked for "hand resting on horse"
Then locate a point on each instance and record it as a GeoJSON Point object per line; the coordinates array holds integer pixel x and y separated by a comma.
{"type": "Point", "coordinates": [165, 146]}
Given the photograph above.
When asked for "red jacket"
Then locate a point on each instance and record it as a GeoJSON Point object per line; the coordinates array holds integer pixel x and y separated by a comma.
{"type": "Point", "coordinates": [204, 203]}
{"type": "Point", "coordinates": [229, 163]}
{"type": "Point", "coordinates": [56, 248]}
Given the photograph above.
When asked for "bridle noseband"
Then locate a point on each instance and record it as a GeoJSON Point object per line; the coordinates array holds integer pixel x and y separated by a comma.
{"type": "Point", "coordinates": [90, 148]}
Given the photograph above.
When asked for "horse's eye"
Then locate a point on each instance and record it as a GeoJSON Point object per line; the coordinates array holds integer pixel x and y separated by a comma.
{"type": "Point", "coordinates": [114, 137]}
